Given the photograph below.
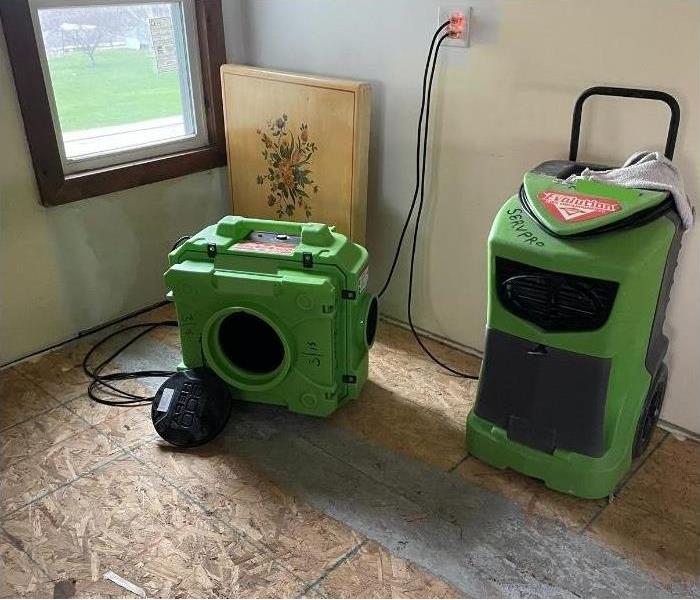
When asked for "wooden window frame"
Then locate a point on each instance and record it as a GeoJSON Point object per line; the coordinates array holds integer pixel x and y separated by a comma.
{"type": "Point", "coordinates": [57, 187]}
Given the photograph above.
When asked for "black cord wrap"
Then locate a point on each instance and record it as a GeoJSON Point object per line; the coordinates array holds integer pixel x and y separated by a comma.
{"type": "Point", "coordinates": [419, 194]}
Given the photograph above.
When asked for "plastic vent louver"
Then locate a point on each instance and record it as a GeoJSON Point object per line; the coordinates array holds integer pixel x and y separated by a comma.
{"type": "Point", "coordinates": [554, 301]}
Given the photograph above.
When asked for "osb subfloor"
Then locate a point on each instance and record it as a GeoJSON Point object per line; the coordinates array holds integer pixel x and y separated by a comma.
{"type": "Point", "coordinates": [381, 500]}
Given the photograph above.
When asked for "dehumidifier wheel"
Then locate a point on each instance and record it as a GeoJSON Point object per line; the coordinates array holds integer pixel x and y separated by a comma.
{"type": "Point", "coordinates": [651, 411]}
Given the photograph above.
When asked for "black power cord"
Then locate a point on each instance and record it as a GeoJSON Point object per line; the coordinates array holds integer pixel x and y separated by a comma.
{"type": "Point", "coordinates": [179, 242]}
{"type": "Point", "coordinates": [418, 155]}
{"type": "Point", "coordinates": [419, 193]}
{"type": "Point", "coordinates": [104, 383]}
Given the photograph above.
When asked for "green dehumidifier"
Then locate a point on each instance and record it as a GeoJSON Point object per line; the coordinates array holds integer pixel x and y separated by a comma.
{"type": "Point", "coordinates": [580, 272]}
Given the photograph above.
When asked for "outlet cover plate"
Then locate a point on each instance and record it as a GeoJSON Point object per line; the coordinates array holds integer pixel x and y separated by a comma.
{"type": "Point", "coordinates": [444, 13]}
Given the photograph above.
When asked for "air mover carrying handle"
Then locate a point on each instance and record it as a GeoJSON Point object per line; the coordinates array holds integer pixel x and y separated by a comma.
{"type": "Point", "coordinates": [238, 228]}
{"type": "Point", "coordinates": [626, 93]}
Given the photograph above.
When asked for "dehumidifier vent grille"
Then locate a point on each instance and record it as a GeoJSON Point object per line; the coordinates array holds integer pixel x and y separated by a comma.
{"type": "Point", "coordinates": [554, 301]}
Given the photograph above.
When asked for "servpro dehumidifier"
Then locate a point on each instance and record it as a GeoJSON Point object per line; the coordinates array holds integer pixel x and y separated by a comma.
{"type": "Point", "coordinates": [573, 376]}
{"type": "Point", "coordinates": [278, 311]}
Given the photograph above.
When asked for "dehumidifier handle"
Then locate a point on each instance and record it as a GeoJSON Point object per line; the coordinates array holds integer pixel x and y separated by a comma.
{"type": "Point", "coordinates": [626, 93]}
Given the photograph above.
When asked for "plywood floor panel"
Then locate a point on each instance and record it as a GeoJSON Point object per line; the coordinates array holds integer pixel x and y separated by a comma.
{"type": "Point", "coordinates": [20, 399]}
{"type": "Point", "coordinates": [43, 472]}
{"type": "Point", "coordinates": [38, 435]}
{"type": "Point", "coordinates": [374, 573]}
{"type": "Point", "coordinates": [239, 495]}
{"type": "Point", "coordinates": [655, 521]}
{"type": "Point", "coordinates": [20, 578]}
{"type": "Point", "coordinates": [379, 500]}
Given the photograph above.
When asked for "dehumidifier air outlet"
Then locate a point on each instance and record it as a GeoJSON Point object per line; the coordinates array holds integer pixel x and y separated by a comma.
{"type": "Point", "coordinates": [551, 300]}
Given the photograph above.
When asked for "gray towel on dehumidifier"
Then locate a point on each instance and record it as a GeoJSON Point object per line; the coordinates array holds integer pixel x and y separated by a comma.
{"type": "Point", "coordinates": [650, 171]}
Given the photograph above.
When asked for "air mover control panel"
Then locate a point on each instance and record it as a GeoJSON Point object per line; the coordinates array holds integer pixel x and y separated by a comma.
{"type": "Point", "coordinates": [278, 310]}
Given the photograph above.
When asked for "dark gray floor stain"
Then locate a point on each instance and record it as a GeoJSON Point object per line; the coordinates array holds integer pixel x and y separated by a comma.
{"type": "Point", "coordinates": [479, 541]}
{"type": "Point", "coordinates": [64, 589]}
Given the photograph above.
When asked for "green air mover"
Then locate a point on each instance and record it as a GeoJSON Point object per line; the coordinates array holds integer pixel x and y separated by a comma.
{"type": "Point", "coordinates": [580, 272]}
{"type": "Point", "coordinates": [279, 311]}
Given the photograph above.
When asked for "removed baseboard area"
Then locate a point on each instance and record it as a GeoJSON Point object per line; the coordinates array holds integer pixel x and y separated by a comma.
{"type": "Point", "coordinates": [434, 336]}
{"type": "Point", "coordinates": [679, 432]}
{"type": "Point", "coordinates": [84, 332]}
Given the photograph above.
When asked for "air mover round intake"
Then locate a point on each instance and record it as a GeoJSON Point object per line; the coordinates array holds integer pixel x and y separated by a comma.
{"type": "Point", "coordinates": [246, 348]}
{"type": "Point", "coordinates": [369, 323]}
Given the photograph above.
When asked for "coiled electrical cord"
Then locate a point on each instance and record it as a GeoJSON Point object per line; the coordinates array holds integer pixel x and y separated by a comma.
{"type": "Point", "coordinates": [419, 194]}
{"type": "Point", "coordinates": [103, 383]}
{"type": "Point", "coordinates": [100, 382]}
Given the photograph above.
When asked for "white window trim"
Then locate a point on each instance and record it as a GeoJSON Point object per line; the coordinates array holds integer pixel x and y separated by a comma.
{"type": "Point", "coordinates": [118, 157]}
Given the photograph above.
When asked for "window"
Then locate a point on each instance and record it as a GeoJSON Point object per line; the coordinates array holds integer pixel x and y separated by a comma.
{"type": "Point", "coordinates": [129, 92]}
{"type": "Point", "coordinates": [122, 79]}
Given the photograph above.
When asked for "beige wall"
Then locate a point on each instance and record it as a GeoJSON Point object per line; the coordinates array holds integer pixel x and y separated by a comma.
{"type": "Point", "coordinates": [73, 267]}
{"type": "Point", "coordinates": [500, 107]}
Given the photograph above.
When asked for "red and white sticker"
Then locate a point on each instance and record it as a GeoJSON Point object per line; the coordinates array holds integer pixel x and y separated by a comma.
{"type": "Point", "coordinates": [570, 208]}
{"type": "Point", "coordinates": [266, 247]}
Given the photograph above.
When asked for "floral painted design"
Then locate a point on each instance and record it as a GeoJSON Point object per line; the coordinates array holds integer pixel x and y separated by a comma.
{"type": "Point", "coordinates": [288, 154]}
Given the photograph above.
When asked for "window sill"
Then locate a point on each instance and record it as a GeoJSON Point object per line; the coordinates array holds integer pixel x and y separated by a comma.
{"type": "Point", "coordinates": [96, 182]}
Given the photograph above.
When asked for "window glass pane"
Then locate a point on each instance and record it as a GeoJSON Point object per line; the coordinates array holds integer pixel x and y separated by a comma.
{"type": "Point", "coordinates": [120, 75]}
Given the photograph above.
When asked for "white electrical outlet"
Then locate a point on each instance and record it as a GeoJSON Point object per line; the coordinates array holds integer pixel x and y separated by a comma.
{"type": "Point", "coordinates": [453, 13]}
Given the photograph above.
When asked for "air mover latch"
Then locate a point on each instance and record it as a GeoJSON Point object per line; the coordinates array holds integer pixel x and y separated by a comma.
{"type": "Point", "coordinates": [308, 260]}
{"type": "Point", "coordinates": [211, 250]}
{"type": "Point", "coordinates": [349, 379]}
{"type": "Point", "coordinates": [348, 294]}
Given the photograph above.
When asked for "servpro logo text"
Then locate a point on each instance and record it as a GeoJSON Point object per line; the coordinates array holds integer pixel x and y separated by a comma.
{"type": "Point", "coordinates": [515, 217]}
